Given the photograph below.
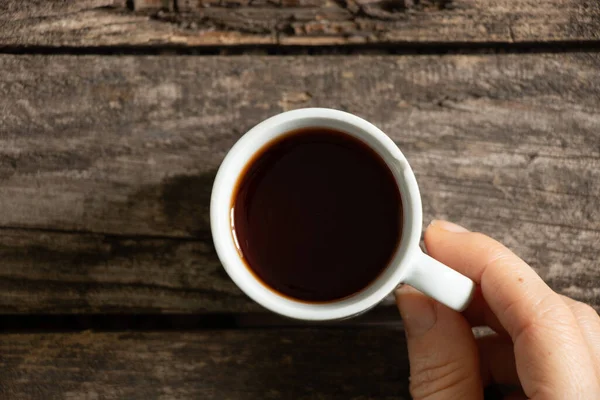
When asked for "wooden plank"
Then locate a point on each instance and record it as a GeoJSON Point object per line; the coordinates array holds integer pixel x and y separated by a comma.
{"type": "Point", "coordinates": [106, 163]}
{"type": "Point", "coordinates": [272, 364]}
{"type": "Point", "coordinates": [294, 22]}
{"type": "Point", "coordinates": [57, 273]}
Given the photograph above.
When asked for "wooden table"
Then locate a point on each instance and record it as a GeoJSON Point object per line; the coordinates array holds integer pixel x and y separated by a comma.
{"type": "Point", "coordinates": [115, 115]}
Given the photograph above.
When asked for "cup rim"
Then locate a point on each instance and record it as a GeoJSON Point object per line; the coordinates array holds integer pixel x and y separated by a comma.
{"type": "Point", "coordinates": [221, 219]}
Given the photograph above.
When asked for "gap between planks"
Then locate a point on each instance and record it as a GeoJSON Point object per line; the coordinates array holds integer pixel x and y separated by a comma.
{"type": "Point", "coordinates": [398, 49]}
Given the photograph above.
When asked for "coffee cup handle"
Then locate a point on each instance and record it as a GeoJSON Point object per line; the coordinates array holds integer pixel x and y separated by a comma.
{"type": "Point", "coordinates": [440, 282]}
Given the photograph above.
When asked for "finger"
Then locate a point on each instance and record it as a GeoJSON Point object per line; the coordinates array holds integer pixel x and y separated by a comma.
{"type": "Point", "coordinates": [589, 322]}
{"type": "Point", "coordinates": [441, 349]}
{"type": "Point", "coordinates": [478, 313]}
{"type": "Point", "coordinates": [552, 357]}
{"type": "Point", "coordinates": [497, 361]}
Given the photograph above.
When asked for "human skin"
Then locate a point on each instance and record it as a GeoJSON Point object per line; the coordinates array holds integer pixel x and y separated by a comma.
{"type": "Point", "coordinates": [545, 345]}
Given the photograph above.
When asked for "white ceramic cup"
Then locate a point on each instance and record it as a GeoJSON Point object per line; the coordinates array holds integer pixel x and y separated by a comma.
{"type": "Point", "coordinates": [408, 265]}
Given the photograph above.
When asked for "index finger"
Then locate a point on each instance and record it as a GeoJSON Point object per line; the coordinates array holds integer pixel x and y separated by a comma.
{"type": "Point", "coordinates": [549, 347]}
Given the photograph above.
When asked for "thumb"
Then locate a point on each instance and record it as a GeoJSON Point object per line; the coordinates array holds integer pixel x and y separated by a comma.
{"type": "Point", "coordinates": [444, 362]}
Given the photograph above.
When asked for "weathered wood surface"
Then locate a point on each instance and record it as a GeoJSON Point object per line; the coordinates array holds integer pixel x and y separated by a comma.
{"type": "Point", "coordinates": [272, 364]}
{"type": "Point", "coordinates": [293, 22]}
{"type": "Point", "coordinates": [81, 273]}
{"type": "Point", "coordinates": [106, 163]}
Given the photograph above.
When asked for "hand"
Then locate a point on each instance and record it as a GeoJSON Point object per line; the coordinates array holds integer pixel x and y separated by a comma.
{"type": "Point", "coordinates": [546, 345]}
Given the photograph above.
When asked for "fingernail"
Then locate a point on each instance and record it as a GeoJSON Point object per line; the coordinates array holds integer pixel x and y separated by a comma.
{"type": "Point", "coordinates": [448, 226]}
{"type": "Point", "coordinates": [417, 311]}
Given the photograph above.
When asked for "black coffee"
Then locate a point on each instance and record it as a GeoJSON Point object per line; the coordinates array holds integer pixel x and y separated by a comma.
{"type": "Point", "coordinates": [317, 215]}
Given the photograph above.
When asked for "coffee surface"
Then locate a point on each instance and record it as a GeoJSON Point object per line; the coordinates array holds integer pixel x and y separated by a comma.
{"type": "Point", "coordinates": [317, 215]}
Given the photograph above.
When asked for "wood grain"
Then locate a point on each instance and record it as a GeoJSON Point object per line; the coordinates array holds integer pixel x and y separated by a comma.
{"type": "Point", "coordinates": [53, 273]}
{"type": "Point", "coordinates": [106, 163]}
{"type": "Point", "coordinates": [93, 23]}
{"type": "Point", "coordinates": [283, 364]}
